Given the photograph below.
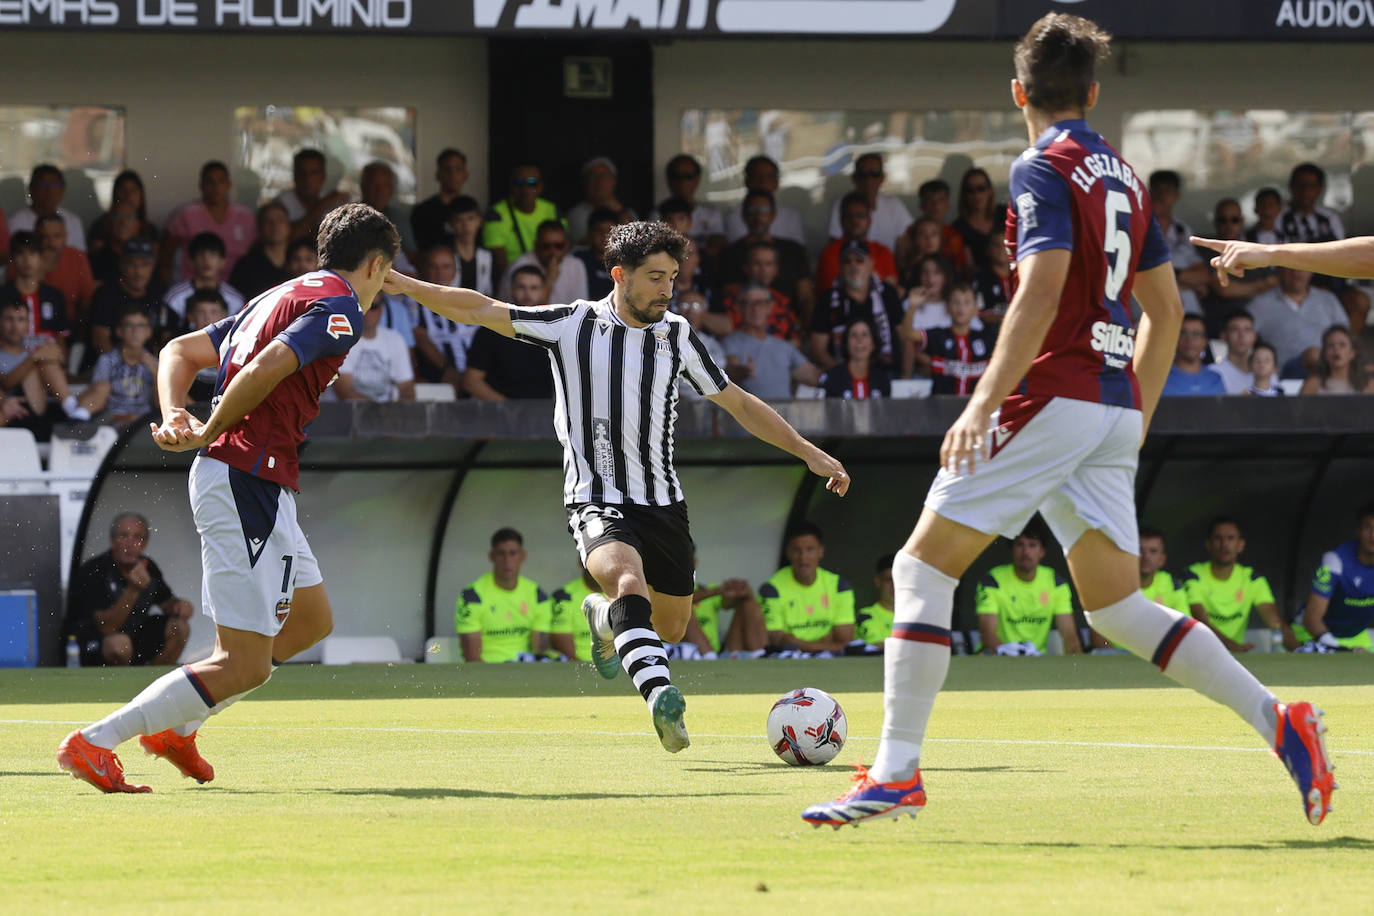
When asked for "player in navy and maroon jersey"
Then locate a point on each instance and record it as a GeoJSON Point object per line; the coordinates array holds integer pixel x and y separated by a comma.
{"type": "Point", "coordinates": [261, 583]}
{"type": "Point", "coordinates": [1065, 401]}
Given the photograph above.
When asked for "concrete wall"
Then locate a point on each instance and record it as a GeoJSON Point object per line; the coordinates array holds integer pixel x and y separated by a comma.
{"type": "Point", "coordinates": [180, 91]}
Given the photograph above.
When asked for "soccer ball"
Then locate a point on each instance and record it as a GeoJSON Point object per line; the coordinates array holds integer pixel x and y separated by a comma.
{"type": "Point", "coordinates": [807, 727]}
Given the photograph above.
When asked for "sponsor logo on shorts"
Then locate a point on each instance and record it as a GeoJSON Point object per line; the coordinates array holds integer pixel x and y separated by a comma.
{"type": "Point", "coordinates": [1115, 343]}
{"type": "Point", "coordinates": [1000, 435]}
{"type": "Point", "coordinates": [283, 608]}
{"type": "Point", "coordinates": [339, 325]}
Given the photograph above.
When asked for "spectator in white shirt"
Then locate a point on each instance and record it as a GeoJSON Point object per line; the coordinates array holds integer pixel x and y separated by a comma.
{"type": "Point", "coordinates": [377, 368]}
{"type": "Point", "coordinates": [889, 216]}
{"type": "Point", "coordinates": [305, 201]}
{"type": "Point", "coordinates": [1265, 229]}
{"type": "Point", "coordinates": [708, 226]}
{"type": "Point", "coordinates": [1239, 334]}
{"type": "Point", "coordinates": [47, 187]}
{"type": "Point", "coordinates": [1293, 318]}
{"type": "Point", "coordinates": [1189, 269]}
{"type": "Point", "coordinates": [207, 263]}
{"type": "Point", "coordinates": [761, 174]}
{"type": "Point", "coordinates": [599, 177]}
{"type": "Point", "coordinates": [565, 276]}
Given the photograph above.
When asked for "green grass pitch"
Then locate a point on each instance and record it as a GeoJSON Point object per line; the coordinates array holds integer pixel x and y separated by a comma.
{"type": "Point", "coordinates": [1056, 785]}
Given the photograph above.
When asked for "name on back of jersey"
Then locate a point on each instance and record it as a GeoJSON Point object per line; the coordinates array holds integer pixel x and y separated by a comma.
{"type": "Point", "coordinates": [1096, 165]}
{"type": "Point", "coordinates": [1115, 343]}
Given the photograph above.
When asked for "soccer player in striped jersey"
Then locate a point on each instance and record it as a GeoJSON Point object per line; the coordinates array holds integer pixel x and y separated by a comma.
{"type": "Point", "coordinates": [1066, 399]}
{"type": "Point", "coordinates": [261, 583]}
{"type": "Point", "coordinates": [616, 365]}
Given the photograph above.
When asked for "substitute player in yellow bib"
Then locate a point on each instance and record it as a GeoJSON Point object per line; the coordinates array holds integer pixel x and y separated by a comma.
{"type": "Point", "coordinates": [1222, 592]}
{"type": "Point", "coordinates": [1018, 602]}
{"type": "Point", "coordinates": [807, 608]}
{"type": "Point", "coordinates": [504, 617]}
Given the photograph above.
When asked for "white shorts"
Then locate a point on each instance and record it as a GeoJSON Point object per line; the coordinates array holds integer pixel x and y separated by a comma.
{"type": "Point", "coordinates": [253, 553]}
{"type": "Point", "coordinates": [1073, 461]}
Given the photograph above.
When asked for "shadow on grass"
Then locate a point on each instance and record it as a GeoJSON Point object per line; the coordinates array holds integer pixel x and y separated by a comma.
{"type": "Point", "coordinates": [745, 768]}
{"type": "Point", "coordinates": [432, 792]}
{"type": "Point", "coordinates": [1335, 842]}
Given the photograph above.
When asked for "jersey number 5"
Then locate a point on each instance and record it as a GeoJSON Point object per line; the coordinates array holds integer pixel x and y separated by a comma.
{"type": "Point", "coordinates": [1117, 242]}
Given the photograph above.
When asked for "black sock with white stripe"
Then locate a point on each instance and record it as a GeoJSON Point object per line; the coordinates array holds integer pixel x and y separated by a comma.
{"type": "Point", "coordinates": [641, 651]}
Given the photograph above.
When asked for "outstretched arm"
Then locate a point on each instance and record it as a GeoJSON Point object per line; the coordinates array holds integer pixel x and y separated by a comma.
{"type": "Point", "coordinates": [764, 423]}
{"type": "Point", "coordinates": [1343, 258]}
{"type": "Point", "coordinates": [464, 306]}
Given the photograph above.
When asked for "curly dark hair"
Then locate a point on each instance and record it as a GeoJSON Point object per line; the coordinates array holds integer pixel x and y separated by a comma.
{"type": "Point", "coordinates": [353, 233]}
{"type": "Point", "coordinates": [631, 244]}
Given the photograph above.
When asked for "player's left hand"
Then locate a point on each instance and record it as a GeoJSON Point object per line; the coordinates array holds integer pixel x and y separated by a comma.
{"type": "Point", "coordinates": [966, 442]}
{"type": "Point", "coordinates": [179, 432]}
{"type": "Point", "coordinates": [837, 478]}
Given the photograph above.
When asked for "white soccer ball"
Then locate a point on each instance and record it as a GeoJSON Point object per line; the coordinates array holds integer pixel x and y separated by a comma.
{"type": "Point", "coordinates": [807, 727]}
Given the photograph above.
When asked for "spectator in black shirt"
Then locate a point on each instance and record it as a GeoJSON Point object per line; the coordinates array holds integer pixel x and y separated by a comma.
{"type": "Point", "coordinates": [978, 215]}
{"type": "Point", "coordinates": [430, 217]}
{"type": "Point", "coordinates": [133, 289]}
{"type": "Point", "coordinates": [111, 609]}
{"type": "Point", "coordinates": [858, 293]}
{"type": "Point", "coordinates": [264, 264]}
{"type": "Point", "coordinates": [501, 368]}
{"type": "Point", "coordinates": [475, 263]}
{"type": "Point", "coordinates": [593, 254]}
{"type": "Point", "coordinates": [794, 274]}
{"type": "Point", "coordinates": [860, 376]}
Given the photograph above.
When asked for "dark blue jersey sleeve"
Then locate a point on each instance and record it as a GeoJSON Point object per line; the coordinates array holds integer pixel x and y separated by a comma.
{"type": "Point", "coordinates": [1044, 211]}
{"type": "Point", "coordinates": [329, 328]}
{"type": "Point", "coordinates": [1155, 251]}
{"type": "Point", "coordinates": [220, 329]}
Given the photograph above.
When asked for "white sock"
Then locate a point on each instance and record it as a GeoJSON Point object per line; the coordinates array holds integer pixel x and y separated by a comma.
{"type": "Point", "coordinates": [1191, 654]}
{"type": "Point", "coordinates": [915, 662]}
{"type": "Point", "coordinates": [176, 697]}
{"type": "Point", "coordinates": [187, 729]}
{"type": "Point", "coordinates": [601, 617]}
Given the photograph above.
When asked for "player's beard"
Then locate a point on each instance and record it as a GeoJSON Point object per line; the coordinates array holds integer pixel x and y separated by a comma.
{"type": "Point", "coordinates": [652, 312]}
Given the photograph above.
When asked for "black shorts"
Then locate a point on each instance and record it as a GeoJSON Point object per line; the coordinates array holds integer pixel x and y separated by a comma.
{"type": "Point", "coordinates": [148, 633]}
{"type": "Point", "coordinates": [659, 534]}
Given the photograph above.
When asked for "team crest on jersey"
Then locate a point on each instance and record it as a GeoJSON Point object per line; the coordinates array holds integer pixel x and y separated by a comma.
{"type": "Point", "coordinates": [1025, 211]}
{"type": "Point", "coordinates": [339, 325]}
{"type": "Point", "coordinates": [283, 608]}
{"type": "Point", "coordinates": [661, 345]}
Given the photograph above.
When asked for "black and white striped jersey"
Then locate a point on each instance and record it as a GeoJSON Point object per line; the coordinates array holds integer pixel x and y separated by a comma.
{"type": "Point", "coordinates": [615, 397]}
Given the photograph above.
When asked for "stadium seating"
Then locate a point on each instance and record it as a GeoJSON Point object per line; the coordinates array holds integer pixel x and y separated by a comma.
{"type": "Point", "coordinates": [434, 391]}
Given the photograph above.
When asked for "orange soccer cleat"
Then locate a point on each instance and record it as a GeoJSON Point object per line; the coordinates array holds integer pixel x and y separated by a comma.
{"type": "Point", "coordinates": [96, 765]}
{"type": "Point", "coordinates": [179, 752]}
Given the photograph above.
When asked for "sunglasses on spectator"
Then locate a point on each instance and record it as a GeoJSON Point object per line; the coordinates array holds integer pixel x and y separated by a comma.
{"type": "Point", "coordinates": [527, 182]}
{"type": "Point", "coordinates": [979, 188]}
{"type": "Point", "coordinates": [757, 211]}
{"type": "Point", "coordinates": [869, 173]}
{"type": "Point", "coordinates": [684, 176]}
{"type": "Point", "coordinates": [1230, 219]}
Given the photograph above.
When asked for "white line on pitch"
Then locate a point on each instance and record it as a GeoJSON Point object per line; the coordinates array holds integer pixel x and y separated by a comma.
{"type": "Point", "coordinates": [1128, 745]}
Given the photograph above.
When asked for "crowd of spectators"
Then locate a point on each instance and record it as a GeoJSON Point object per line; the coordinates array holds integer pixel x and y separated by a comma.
{"type": "Point", "coordinates": [892, 295]}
